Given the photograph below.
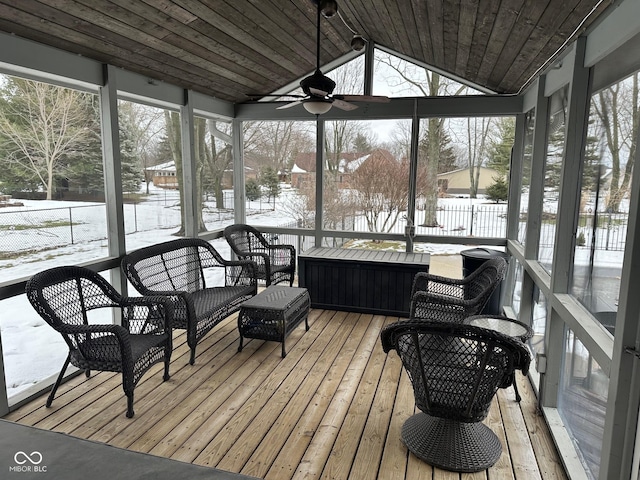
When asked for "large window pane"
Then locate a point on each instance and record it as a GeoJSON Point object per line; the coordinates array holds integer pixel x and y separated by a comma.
{"type": "Point", "coordinates": [280, 176]}
{"type": "Point", "coordinates": [604, 201]}
{"type": "Point", "coordinates": [582, 402]}
{"type": "Point", "coordinates": [396, 77]}
{"type": "Point", "coordinates": [366, 176]}
{"type": "Point", "coordinates": [151, 178]}
{"type": "Point", "coordinates": [529, 123]}
{"type": "Point", "coordinates": [463, 166]}
{"type": "Point", "coordinates": [51, 180]}
{"type": "Point", "coordinates": [552, 172]}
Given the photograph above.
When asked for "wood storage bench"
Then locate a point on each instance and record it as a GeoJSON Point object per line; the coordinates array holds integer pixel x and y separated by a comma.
{"type": "Point", "coordinates": [358, 280]}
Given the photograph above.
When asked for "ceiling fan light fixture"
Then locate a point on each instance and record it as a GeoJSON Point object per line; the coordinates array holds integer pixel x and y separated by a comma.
{"type": "Point", "coordinates": [328, 8]}
{"type": "Point", "coordinates": [317, 106]}
{"type": "Point", "coordinates": [358, 43]}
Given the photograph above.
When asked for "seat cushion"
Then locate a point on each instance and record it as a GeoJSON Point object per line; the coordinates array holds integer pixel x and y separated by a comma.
{"type": "Point", "coordinates": [211, 299]}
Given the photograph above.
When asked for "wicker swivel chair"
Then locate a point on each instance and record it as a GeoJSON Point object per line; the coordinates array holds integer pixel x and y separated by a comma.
{"type": "Point", "coordinates": [276, 263]}
{"type": "Point", "coordinates": [451, 299]}
{"type": "Point", "coordinates": [65, 297]}
{"type": "Point", "coordinates": [455, 370]}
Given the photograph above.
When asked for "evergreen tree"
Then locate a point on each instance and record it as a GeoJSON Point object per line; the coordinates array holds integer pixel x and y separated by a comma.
{"type": "Point", "coordinates": [130, 167]}
{"type": "Point", "coordinates": [498, 191]}
{"type": "Point", "coordinates": [448, 159]}
{"type": "Point", "coordinates": [252, 189]}
{"type": "Point", "coordinates": [500, 149]}
{"type": "Point", "coordinates": [83, 169]}
{"type": "Point", "coordinates": [269, 180]}
{"type": "Point", "coordinates": [362, 143]}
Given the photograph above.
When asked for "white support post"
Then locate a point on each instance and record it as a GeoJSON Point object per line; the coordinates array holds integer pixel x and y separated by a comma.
{"type": "Point", "coordinates": [112, 177]}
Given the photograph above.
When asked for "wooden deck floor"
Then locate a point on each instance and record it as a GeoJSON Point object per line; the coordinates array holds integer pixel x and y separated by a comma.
{"type": "Point", "coordinates": [333, 408]}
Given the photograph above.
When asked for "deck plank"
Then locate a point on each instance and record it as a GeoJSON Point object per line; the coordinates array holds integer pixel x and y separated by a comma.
{"type": "Point", "coordinates": [272, 426]}
{"type": "Point", "coordinates": [208, 441]}
{"type": "Point", "coordinates": [393, 465]}
{"type": "Point", "coordinates": [299, 436]}
{"type": "Point", "coordinates": [544, 449]}
{"type": "Point", "coordinates": [522, 458]}
{"type": "Point", "coordinates": [322, 443]}
{"type": "Point", "coordinates": [333, 407]}
{"type": "Point", "coordinates": [340, 461]}
{"type": "Point", "coordinates": [371, 447]}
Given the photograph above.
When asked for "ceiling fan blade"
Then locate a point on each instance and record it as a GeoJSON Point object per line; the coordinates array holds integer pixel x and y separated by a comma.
{"type": "Point", "coordinates": [315, 91]}
{"type": "Point", "coordinates": [342, 105]}
{"type": "Point", "coordinates": [289, 105]}
{"type": "Point", "coordinates": [364, 98]}
{"type": "Point", "coordinates": [258, 96]}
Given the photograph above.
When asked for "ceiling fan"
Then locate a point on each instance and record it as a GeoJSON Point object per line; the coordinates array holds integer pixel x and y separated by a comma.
{"type": "Point", "coordinates": [317, 87]}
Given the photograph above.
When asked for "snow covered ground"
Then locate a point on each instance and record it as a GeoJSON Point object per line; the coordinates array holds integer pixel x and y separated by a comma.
{"type": "Point", "coordinates": [33, 352]}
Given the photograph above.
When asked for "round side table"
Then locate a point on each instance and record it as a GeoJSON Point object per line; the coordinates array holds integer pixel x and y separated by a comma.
{"type": "Point", "coordinates": [505, 325]}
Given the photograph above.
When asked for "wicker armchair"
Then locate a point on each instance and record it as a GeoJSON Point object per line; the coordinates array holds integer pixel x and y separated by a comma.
{"type": "Point", "coordinates": [450, 299]}
{"type": "Point", "coordinates": [276, 263]}
{"type": "Point", "coordinates": [66, 297]}
{"type": "Point", "coordinates": [455, 370]}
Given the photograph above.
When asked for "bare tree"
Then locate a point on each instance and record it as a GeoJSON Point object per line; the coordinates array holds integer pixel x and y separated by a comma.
{"type": "Point", "coordinates": [300, 206]}
{"type": "Point", "coordinates": [42, 123]}
{"type": "Point", "coordinates": [341, 136]}
{"type": "Point", "coordinates": [147, 126]}
{"type": "Point", "coordinates": [275, 144]}
{"type": "Point", "coordinates": [381, 186]}
{"type": "Point", "coordinates": [477, 149]}
{"type": "Point", "coordinates": [400, 140]}
{"type": "Point", "coordinates": [217, 158]}
{"type": "Point", "coordinates": [172, 122]}
{"type": "Point", "coordinates": [411, 79]}
{"type": "Point", "coordinates": [617, 108]}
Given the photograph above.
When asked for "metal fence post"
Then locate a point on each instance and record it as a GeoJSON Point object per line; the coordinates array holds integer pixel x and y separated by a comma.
{"type": "Point", "coordinates": [606, 246]}
{"type": "Point", "coordinates": [71, 224]}
{"type": "Point", "coordinates": [472, 214]}
{"type": "Point", "coordinates": [135, 217]}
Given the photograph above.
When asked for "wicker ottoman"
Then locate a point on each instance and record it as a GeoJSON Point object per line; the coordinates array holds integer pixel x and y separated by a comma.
{"type": "Point", "coordinates": [273, 313]}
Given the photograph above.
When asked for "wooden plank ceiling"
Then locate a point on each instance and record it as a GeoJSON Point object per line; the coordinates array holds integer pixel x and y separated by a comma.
{"type": "Point", "coordinates": [228, 48]}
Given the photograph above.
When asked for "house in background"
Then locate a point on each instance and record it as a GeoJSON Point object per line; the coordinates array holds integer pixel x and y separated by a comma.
{"type": "Point", "coordinates": [458, 182]}
{"type": "Point", "coordinates": [227, 176]}
{"type": "Point", "coordinates": [304, 166]}
{"type": "Point", "coordinates": [163, 175]}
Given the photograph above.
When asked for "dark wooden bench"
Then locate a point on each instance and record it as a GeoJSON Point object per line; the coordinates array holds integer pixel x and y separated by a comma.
{"type": "Point", "coordinates": [182, 269]}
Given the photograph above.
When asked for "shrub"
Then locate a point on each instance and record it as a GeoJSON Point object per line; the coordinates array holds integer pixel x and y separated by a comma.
{"type": "Point", "coordinates": [498, 191]}
{"type": "Point", "coordinates": [252, 190]}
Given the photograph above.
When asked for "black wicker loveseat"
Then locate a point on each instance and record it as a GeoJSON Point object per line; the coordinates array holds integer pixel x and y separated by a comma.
{"type": "Point", "coordinates": [181, 269]}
